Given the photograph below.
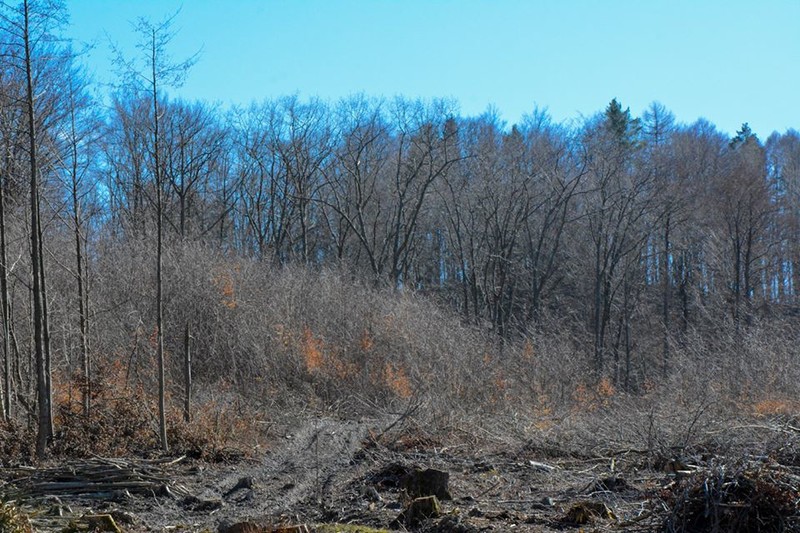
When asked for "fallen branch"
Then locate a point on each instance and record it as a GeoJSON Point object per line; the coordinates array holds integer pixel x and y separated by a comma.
{"type": "Point", "coordinates": [97, 475]}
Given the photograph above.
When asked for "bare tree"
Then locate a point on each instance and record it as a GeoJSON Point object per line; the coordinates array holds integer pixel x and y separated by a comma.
{"type": "Point", "coordinates": [33, 51]}
{"type": "Point", "coordinates": [559, 168]}
{"type": "Point", "coordinates": [266, 201]}
{"type": "Point", "coordinates": [125, 143]}
{"type": "Point", "coordinates": [80, 142]}
{"type": "Point", "coordinates": [658, 124]}
{"type": "Point", "coordinates": [10, 118]}
{"type": "Point", "coordinates": [746, 210]}
{"type": "Point", "coordinates": [351, 196]}
{"type": "Point", "coordinates": [148, 73]}
{"type": "Point", "coordinates": [783, 166]}
{"type": "Point", "coordinates": [619, 202]}
{"type": "Point", "coordinates": [193, 141]}
{"type": "Point", "coordinates": [383, 200]}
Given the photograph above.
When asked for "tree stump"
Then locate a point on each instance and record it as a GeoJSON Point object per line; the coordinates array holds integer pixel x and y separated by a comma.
{"type": "Point", "coordinates": [429, 482]}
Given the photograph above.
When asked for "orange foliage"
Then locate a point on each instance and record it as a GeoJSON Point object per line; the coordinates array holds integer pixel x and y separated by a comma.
{"type": "Point", "coordinates": [218, 428]}
{"type": "Point", "coordinates": [581, 396]}
{"type": "Point", "coordinates": [648, 386]}
{"type": "Point", "coordinates": [224, 283]}
{"type": "Point", "coordinates": [318, 357]}
{"type": "Point", "coordinates": [107, 382]}
{"type": "Point", "coordinates": [311, 348]}
{"type": "Point", "coordinates": [120, 423]}
{"type": "Point", "coordinates": [499, 388]}
{"type": "Point", "coordinates": [605, 390]}
{"type": "Point", "coordinates": [543, 414]}
{"type": "Point", "coordinates": [397, 380]}
{"type": "Point", "coordinates": [591, 398]}
{"type": "Point", "coordinates": [776, 407]}
{"type": "Point", "coordinates": [543, 424]}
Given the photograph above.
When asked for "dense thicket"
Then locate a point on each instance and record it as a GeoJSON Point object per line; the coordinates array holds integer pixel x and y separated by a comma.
{"type": "Point", "coordinates": [633, 233]}
{"type": "Point", "coordinates": [305, 241]}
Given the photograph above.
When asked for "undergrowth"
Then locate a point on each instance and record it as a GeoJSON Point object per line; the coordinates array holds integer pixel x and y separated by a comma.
{"type": "Point", "coordinates": [293, 343]}
{"type": "Point", "coordinates": [122, 422]}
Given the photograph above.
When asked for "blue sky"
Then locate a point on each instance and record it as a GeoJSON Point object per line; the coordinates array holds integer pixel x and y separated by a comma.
{"type": "Point", "coordinates": [728, 61]}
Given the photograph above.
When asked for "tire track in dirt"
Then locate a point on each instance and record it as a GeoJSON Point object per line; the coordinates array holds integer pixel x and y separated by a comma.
{"type": "Point", "coordinates": [302, 472]}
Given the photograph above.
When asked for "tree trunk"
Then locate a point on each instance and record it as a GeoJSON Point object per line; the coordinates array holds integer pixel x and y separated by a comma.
{"type": "Point", "coordinates": [598, 310]}
{"type": "Point", "coordinates": [42, 396]}
{"type": "Point", "coordinates": [162, 408]}
{"type": "Point", "coordinates": [4, 299]}
{"type": "Point", "coordinates": [665, 297]}
{"type": "Point", "coordinates": [46, 332]}
{"type": "Point", "coordinates": [187, 375]}
{"type": "Point", "coordinates": [82, 298]}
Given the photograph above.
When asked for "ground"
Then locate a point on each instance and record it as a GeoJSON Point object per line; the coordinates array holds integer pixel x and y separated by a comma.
{"type": "Point", "coordinates": [325, 470]}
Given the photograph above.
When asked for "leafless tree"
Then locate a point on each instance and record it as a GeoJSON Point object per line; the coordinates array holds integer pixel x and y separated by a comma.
{"type": "Point", "coordinates": [148, 74]}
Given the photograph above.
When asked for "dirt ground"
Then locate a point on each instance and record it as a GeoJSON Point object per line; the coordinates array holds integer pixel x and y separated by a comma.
{"type": "Point", "coordinates": [347, 472]}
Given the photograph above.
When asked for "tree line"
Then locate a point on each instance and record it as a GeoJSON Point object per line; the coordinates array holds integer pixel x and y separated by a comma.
{"type": "Point", "coordinates": [635, 234]}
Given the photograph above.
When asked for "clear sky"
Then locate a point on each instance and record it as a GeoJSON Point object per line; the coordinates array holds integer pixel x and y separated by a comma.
{"type": "Point", "coordinates": [730, 61]}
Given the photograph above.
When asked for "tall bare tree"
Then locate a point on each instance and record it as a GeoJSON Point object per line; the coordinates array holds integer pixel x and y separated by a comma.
{"type": "Point", "coordinates": [80, 140]}
{"type": "Point", "coordinates": [149, 73]}
{"type": "Point", "coordinates": [658, 124]}
{"type": "Point", "coordinates": [33, 51]}
{"type": "Point", "coordinates": [9, 126]}
{"type": "Point", "coordinates": [617, 207]}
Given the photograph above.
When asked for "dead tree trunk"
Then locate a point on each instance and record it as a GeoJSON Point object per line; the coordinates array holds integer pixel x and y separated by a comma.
{"type": "Point", "coordinates": [4, 299]}
{"type": "Point", "coordinates": [44, 425]}
{"type": "Point", "coordinates": [187, 374]}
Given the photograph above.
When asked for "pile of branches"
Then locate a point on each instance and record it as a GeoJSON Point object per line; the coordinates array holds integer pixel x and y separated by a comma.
{"type": "Point", "coordinates": [759, 496]}
{"type": "Point", "coordinates": [100, 477]}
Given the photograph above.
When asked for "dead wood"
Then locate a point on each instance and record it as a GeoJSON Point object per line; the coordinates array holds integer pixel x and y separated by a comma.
{"type": "Point", "coordinates": [97, 475]}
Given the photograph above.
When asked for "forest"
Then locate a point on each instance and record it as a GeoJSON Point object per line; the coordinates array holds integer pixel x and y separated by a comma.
{"type": "Point", "coordinates": [184, 279]}
{"type": "Point", "coordinates": [370, 253]}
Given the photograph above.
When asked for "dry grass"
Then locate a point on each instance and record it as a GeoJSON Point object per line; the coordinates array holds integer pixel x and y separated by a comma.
{"type": "Point", "coordinates": [122, 423]}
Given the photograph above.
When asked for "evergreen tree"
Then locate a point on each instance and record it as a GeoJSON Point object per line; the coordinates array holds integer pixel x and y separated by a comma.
{"type": "Point", "coordinates": [743, 136]}
{"type": "Point", "coordinates": [618, 122]}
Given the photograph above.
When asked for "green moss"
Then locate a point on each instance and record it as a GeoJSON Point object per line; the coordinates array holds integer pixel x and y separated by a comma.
{"type": "Point", "coordinates": [12, 520]}
{"type": "Point", "coordinates": [94, 523]}
{"type": "Point", "coordinates": [346, 528]}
